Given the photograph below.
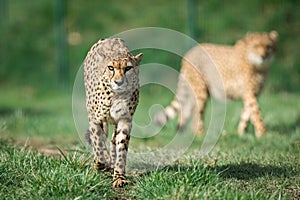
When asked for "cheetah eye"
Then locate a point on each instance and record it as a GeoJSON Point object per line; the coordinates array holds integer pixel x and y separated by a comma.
{"type": "Point", "coordinates": [128, 68]}
{"type": "Point", "coordinates": [111, 68]}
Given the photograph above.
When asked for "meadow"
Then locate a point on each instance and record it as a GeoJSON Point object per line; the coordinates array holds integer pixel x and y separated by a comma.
{"type": "Point", "coordinates": [43, 156]}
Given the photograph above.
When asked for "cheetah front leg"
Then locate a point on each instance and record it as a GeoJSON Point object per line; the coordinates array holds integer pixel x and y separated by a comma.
{"type": "Point", "coordinates": [98, 141]}
{"type": "Point", "coordinates": [122, 138]}
{"type": "Point", "coordinates": [244, 120]}
{"type": "Point", "coordinates": [252, 108]}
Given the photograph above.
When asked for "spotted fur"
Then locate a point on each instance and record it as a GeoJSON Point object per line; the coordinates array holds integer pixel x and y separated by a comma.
{"type": "Point", "coordinates": [112, 93]}
{"type": "Point", "coordinates": [208, 68]}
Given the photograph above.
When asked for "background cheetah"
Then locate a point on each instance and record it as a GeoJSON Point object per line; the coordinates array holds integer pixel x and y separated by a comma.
{"type": "Point", "coordinates": [112, 93]}
{"type": "Point", "coordinates": [208, 68]}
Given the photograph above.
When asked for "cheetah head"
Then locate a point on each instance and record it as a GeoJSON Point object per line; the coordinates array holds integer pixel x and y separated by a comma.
{"type": "Point", "coordinates": [123, 73]}
{"type": "Point", "coordinates": [261, 47]}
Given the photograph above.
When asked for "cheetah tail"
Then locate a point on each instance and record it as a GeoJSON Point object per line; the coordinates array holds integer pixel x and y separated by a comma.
{"type": "Point", "coordinates": [168, 113]}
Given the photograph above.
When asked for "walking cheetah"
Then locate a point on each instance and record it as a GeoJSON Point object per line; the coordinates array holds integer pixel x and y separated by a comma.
{"type": "Point", "coordinates": [112, 92]}
{"type": "Point", "coordinates": [242, 69]}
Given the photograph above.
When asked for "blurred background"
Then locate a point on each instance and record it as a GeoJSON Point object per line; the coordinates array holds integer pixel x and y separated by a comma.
{"type": "Point", "coordinates": [44, 42]}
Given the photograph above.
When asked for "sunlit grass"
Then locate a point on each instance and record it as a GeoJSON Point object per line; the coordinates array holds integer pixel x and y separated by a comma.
{"type": "Point", "coordinates": [242, 167]}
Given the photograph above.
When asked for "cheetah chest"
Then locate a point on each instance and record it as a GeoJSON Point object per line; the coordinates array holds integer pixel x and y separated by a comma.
{"type": "Point", "coordinates": [101, 103]}
{"type": "Point", "coordinates": [114, 106]}
{"type": "Point", "coordinates": [118, 110]}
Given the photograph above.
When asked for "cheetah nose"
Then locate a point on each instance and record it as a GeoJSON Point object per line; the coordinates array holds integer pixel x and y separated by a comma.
{"type": "Point", "coordinates": [119, 82]}
{"type": "Point", "coordinates": [265, 56]}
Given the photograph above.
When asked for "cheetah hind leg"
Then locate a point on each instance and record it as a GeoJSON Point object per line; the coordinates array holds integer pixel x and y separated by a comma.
{"type": "Point", "coordinates": [186, 102]}
{"type": "Point", "coordinates": [113, 149]}
{"type": "Point", "coordinates": [201, 95]}
{"type": "Point", "coordinates": [97, 165]}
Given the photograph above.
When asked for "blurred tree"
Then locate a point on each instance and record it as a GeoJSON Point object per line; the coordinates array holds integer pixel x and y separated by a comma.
{"type": "Point", "coordinates": [31, 53]}
{"type": "Point", "coordinates": [192, 18]}
{"type": "Point", "coordinates": [3, 12]}
{"type": "Point", "coordinates": [61, 44]}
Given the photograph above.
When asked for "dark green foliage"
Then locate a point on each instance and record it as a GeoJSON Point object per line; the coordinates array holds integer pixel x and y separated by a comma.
{"type": "Point", "coordinates": [28, 52]}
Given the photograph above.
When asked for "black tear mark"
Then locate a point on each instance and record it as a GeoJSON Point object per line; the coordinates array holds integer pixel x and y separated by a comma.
{"type": "Point", "coordinates": [119, 110]}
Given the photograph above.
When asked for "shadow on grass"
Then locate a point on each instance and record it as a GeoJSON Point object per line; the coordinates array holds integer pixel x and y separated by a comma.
{"type": "Point", "coordinates": [247, 171]}
{"type": "Point", "coordinates": [241, 171]}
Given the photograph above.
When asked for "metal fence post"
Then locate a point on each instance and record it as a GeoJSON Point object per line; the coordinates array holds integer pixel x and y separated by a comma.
{"type": "Point", "coordinates": [3, 12]}
{"type": "Point", "coordinates": [192, 22]}
{"type": "Point", "coordinates": [61, 43]}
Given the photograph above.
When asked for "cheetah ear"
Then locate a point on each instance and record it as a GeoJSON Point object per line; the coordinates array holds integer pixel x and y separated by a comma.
{"type": "Point", "coordinates": [138, 58]}
{"type": "Point", "coordinates": [273, 35]}
{"type": "Point", "coordinates": [249, 34]}
{"type": "Point", "coordinates": [247, 37]}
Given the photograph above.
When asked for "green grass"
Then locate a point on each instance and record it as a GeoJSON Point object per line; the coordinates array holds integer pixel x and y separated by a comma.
{"type": "Point", "coordinates": [26, 113]}
{"type": "Point", "coordinates": [237, 175]}
{"type": "Point", "coordinates": [28, 174]}
{"type": "Point", "coordinates": [240, 173]}
{"type": "Point", "coordinates": [238, 167]}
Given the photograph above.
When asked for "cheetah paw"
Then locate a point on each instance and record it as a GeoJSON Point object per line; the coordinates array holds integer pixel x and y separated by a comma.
{"type": "Point", "coordinates": [119, 182]}
{"type": "Point", "coordinates": [99, 166]}
{"type": "Point", "coordinates": [102, 167]}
